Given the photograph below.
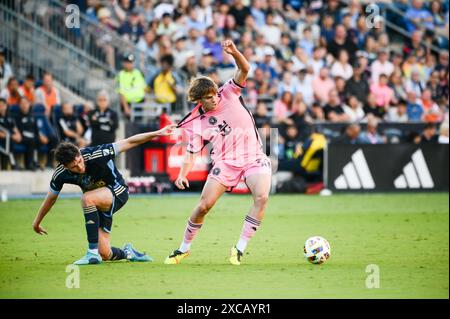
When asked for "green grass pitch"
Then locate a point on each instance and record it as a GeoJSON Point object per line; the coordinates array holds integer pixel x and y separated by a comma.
{"type": "Point", "coordinates": [405, 235]}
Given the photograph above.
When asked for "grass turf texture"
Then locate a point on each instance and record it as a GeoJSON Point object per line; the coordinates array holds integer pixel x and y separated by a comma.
{"type": "Point", "coordinates": [406, 235]}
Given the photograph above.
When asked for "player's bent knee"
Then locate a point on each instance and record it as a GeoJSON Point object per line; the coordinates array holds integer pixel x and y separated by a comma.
{"type": "Point", "coordinates": [87, 199]}
{"type": "Point", "coordinates": [204, 207]}
{"type": "Point", "coordinates": [261, 200]}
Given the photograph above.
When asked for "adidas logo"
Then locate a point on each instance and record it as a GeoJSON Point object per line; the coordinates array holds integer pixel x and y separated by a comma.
{"type": "Point", "coordinates": [415, 174]}
{"type": "Point", "coordinates": [90, 222]}
{"type": "Point", "coordinates": [356, 174]}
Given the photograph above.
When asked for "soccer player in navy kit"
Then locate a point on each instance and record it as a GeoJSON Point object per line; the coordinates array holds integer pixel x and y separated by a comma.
{"type": "Point", "coordinates": [104, 193]}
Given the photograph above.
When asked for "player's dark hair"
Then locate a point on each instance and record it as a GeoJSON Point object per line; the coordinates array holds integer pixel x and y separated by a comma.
{"type": "Point", "coordinates": [66, 152]}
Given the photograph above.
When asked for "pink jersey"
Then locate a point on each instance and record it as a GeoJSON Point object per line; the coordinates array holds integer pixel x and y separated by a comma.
{"type": "Point", "coordinates": [229, 128]}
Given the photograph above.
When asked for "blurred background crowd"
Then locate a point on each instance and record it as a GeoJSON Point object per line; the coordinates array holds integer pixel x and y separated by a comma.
{"type": "Point", "coordinates": [312, 63]}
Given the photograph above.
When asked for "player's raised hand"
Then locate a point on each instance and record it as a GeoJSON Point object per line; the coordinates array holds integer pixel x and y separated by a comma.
{"type": "Point", "coordinates": [38, 229]}
{"type": "Point", "coordinates": [167, 130]}
{"type": "Point", "coordinates": [229, 46]}
{"type": "Point", "coordinates": [182, 183]}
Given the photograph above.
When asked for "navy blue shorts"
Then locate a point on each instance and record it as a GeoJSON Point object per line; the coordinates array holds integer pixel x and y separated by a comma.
{"type": "Point", "coordinates": [120, 197]}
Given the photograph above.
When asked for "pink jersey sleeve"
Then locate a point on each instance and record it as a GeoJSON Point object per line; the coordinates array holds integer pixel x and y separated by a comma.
{"type": "Point", "coordinates": [231, 89]}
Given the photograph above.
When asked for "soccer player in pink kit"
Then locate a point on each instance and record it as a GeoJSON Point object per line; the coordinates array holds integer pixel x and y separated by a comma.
{"type": "Point", "coordinates": [221, 119]}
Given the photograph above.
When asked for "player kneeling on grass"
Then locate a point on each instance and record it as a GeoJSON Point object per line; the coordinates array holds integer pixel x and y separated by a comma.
{"type": "Point", "coordinates": [104, 193]}
{"type": "Point", "coordinates": [222, 119]}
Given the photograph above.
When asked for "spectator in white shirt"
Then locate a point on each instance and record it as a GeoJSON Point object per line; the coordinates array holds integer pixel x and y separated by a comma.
{"type": "Point", "coordinates": [353, 108]}
{"type": "Point", "coordinates": [381, 65]}
{"type": "Point", "coordinates": [341, 67]}
{"type": "Point", "coordinates": [443, 133]}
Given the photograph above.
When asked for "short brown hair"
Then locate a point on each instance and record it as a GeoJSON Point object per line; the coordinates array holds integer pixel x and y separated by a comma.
{"type": "Point", "coordinates": [66, 152]}
{"type": "Point", "coordinates": [201, 86]}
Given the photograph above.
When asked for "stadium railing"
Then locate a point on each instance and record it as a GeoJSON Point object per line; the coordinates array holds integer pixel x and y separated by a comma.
{"type": "Point", "coordinates": [36, 50]}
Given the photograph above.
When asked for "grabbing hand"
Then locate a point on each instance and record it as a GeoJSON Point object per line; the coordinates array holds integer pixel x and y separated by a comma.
{"type": "Point", "coordinates": [167, 130]}
{"type": "Point", "coordinates": [182, 183]}
{"type": "Point", "coordinates": [38, 229]}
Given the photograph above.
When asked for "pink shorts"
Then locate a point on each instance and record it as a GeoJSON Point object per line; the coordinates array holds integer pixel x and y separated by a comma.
{"type": "Point", "coordinates": [230, 176]}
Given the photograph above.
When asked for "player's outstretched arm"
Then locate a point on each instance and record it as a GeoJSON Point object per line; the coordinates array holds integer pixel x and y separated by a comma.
{"type": "Point", "coordinates": [138, 139]}
{"type": "Point", "coordinates": [241, 62]}
{"type": "Point", "coordinates": [47, 204]}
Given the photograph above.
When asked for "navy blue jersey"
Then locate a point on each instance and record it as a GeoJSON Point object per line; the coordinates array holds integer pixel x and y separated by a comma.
{"type": "Point", "coordinates": [100, 171]}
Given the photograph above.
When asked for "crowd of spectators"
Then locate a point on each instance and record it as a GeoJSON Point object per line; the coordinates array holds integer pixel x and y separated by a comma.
{"type": "Point", "coordinates": [33, 120]}
{"type": "Point", "coordinates": [311, 61]}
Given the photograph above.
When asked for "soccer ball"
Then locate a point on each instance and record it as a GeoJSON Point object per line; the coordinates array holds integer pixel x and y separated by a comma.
{"type": "Point", "coordinates": [317, 250]}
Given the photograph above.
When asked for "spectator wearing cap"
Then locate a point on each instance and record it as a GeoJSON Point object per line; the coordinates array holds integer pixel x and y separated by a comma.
{"type": "Point", "coordinates": [381, 65]}
{"type": "Point", "coordinates": [180, 52]}
{"type": "Point", "coordinates": [130, 85]}
{"type": "Point", "coordinates": [165, 84]}
{"type": "Point", "coordinates": [322, 85]}
{"type": "Point", "coordinates": [27, 88]}
{"type": "Point", "coordinates": [104, 121]}
{"type": "Point", "coordinates": [266, 63]}
{"type": "Point", "coordinates": [341, 67]}
{"type": "Point", "coordinates": [210, 42]}
{"type": "Point", "coordinates": [5, 69]}
{"type": "Point", "coordinates": [383, 93]}
{"type": "Point", "coordinates": [7, 125]}
{"type": "Point", "coordinates": [131, 29]}
{"type": "Point", "coordinates": [357, 85]}
{"type": "Point", "coordinates": [166, 26]}
{"type": "Point", "coordinates": [11, 92]}
{"type": "Point", "coordinates": [334, 111]}
{"type": "Point", "coordinates": [271, 32]}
